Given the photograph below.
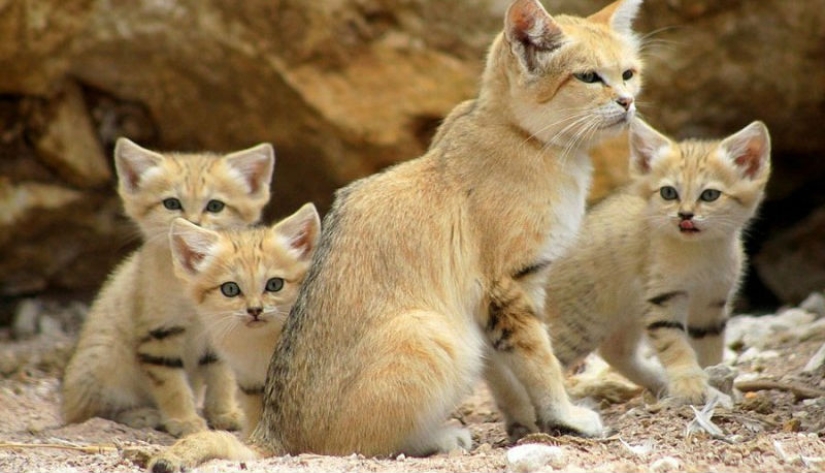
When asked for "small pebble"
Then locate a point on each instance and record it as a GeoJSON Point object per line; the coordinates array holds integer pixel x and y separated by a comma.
{"type": "Point", "coordinates": [532, 457]}
{"type": "Point", "coordinates": [666, 464]}
{"type": "Point", "coordinates": [25, 319]}
{"type": "Point", "coordinates": [814, 303]}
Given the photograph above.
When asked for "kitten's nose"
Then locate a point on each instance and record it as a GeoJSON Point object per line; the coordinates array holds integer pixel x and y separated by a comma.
{"type": "Point", "coordinates": [625, 102]}
{"type": "Point", "coordinates": [685, 215]}
{"type": "Point", "coordinates": [254, 311]}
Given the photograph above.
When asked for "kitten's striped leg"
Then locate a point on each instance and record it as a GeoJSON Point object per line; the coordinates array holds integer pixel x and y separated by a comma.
{"type": "Point", "coordinates": [622, 350]}
{"type": "Point", "coordinates": [521, 343]}
{"type": "Point", "coordinates": [160, 354]}
{"type": "Point", "coordinates": [706, 329]}
{"type": "Point", "coordinates": [511, 399]}
{"type": "Point", "coordinates": [665, 324]}
{"type": "Point", "coordinates": [220, 406]}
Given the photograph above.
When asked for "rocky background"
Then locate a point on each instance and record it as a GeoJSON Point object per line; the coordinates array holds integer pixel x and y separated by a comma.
{"type": "Point", "coordinates": [343, 88]}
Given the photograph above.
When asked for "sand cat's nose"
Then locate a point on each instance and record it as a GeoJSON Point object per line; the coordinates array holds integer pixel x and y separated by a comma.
{"type": "Point", "coordinates": [686, 215]}
{"type": "Point", "coordinates": [254, 311]}
{"type": "Point", "coordinates": [625, 102]}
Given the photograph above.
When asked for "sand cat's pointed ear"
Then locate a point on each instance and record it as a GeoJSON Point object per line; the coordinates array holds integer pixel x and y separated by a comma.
{"type": "Point", "coordinates": [646, 146]}
{"type": "Point", "coordinates": [618, 15]}
{"type": "Point", "coordinates": [191, 245]}
{"type": "Point", "coordinates": [750, 150]}
{"type": "Point", "coordinates": [530, 29]}
{"type": "Point", "coordinates": [132, 162]}
{"type": "Point", "coordinates": [301, 230]}
{"type": "Point", "coordinates": [254, 165]}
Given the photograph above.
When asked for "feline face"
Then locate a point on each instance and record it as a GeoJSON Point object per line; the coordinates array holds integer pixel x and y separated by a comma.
{"type": "Point", "coordinates": [701, 189]}
{"type": "Point", "coordinates": [245, 280]}
{"type": "Point", "coordinates": [205, 189]}
{"type": "Point", "coordinates": [572, 80]}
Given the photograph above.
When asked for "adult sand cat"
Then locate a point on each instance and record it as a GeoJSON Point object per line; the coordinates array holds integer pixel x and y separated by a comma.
{"type": "Point", "coordinates": [400, 307]}
{"type": "Point", "coordinates": [244, 283]}
{"type": "Point", "coordinates": [142, 350]}
{"type": "Point", "coordinates": [662, 260]}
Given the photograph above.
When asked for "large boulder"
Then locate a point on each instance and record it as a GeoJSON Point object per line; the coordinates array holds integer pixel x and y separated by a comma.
{"type": "Point", "coordinates": [342, 88]}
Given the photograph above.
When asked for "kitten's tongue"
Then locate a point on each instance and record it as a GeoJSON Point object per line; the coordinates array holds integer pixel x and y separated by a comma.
{"type": "Point", "coordinates": [687, 225]}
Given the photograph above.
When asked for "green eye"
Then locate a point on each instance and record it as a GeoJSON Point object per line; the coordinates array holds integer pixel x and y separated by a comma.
{"type": "Point", "coordinates": [588, 77]}
{"type": "Point", "coordinates": [230, 289]}
{"type": "Point", "coordinates": [214, 206]}
{"type": "Point", "coordinates": [172, 204]}
{"type": "Point", "coordinates": [627, 75]}
{"type": "Point", "coordinates": [275, 284]}
{"type": "Point", "coordinates": [709, 195]}
{"type": "Point", "coordinates": [669, 193]}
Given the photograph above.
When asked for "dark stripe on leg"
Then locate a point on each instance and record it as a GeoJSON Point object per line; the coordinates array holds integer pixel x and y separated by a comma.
{"type": "Point", "coordinates": [160, 361]}
{"type": "Point", "coordinates": [208, 358]}
{"type": "Point", "coordinates": [702, 332]}
{"type": "Point", "coordinates": [661, 299]}
{"type": "Point", "coordinates": [162, 333]}
{"type": "Point", "coordinates": [251, 390]}
{"type": "Point", "coordinates": [666, 324]}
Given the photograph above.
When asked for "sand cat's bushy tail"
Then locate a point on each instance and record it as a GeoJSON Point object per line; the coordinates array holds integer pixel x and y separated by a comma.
{"type": "Point", "coordinates": [200, 447]}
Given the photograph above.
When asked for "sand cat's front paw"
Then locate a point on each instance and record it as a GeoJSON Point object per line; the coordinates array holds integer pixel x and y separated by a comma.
{"type": "Point", "coordinates": [517, 430]}
{"type": "Point", "coordinates": [226, 420]}
{"type": "Point", "coordinates": [183, 427]}
{"type": "Point", "coordinates": [690, 388]}
{"type": "Point", "coordinates": [576, 420]}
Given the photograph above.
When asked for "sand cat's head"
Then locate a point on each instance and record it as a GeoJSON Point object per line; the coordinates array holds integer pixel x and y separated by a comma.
{"type": "Point", "coordinates": [245, 277]}
{"type": "Point", "coordinates": [567, 80]}
{"type": "Point", "coordinates": [700, 189]}
{"type": "Point", "coordinates": [207, 189]}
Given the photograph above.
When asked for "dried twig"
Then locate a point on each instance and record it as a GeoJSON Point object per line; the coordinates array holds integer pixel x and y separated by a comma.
{"type": "Point", "coordinates": [798, 390]}
{"type": "Point", "coordinates": [79, 448]}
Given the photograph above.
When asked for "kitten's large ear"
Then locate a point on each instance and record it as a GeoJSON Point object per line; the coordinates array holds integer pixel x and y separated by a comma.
{"type": "Point", "coordinates": [530, 29]}
{"type": "Point", "coordinates": [646, 146]}
{"type": "Point", "coordinates": [255, 166]}
{"type": "Point", "coordinates": [190, 244]}
{"type": "Point", "coordinates": [618, 15]}
{"type": "Point", "coordinates": [301, 230]}
{"type": "Point", "coordinates": [750, 149]}
{"type": "Point", "coordinates": [132, 161]}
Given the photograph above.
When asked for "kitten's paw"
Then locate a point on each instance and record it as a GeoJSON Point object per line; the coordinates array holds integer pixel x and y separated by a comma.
{"type": "Point", "coordinates": [517, 430]}
{"type": "Point", "coordinates": [575, 420]}
{"type": "Point", "coordinates": [445, 440]}
{"type": "Point", "coordinates": [687, 389]}
{"type": "Point", "coordinates": [140, 418]}
{"type": "Point", "coordinates": [184, 427]}
{"type": "Point", "coordinates": [226, 420]}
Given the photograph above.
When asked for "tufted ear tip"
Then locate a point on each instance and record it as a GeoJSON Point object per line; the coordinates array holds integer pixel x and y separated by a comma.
{"type": "Point", "coordinates": [619, 15]}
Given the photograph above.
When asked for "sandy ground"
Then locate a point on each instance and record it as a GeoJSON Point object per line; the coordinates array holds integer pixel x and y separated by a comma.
{"type": "Point", "coordinates": [778, 429]}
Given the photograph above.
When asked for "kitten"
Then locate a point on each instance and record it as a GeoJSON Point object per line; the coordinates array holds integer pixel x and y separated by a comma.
{"type": "Point", "coordinates": [661, 260]}
{"type": "Point", "coordinates": [244, 282]}
{"type": "Point", "coordinates": [141, 345]}
{"type": "Point", "coordinates": [410, 289]}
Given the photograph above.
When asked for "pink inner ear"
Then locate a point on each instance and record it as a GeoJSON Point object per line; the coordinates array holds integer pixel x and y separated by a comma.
{"type": "Point", "coordinates": [302, 242]}
{"type": "Point", "coordinates": [750, 159]}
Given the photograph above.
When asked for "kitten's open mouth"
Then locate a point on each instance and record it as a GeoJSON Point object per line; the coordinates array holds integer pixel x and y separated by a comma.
{"type": "Point", "coordinates": [687, 226]}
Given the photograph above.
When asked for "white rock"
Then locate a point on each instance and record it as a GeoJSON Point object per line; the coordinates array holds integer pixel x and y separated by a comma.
{"type": "Point", "coordinates": [814, 303]}
{"type": "Point", "coordinates": [666, 464]}
{"type": "Point", "coordinates": [816, 361]}
{"type": "Point", "coordinates": [532, 457]}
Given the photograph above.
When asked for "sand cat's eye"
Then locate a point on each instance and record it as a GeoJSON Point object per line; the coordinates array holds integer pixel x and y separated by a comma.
{"type": "Point", "coordinates": [275, 284]}
{"type": "Point", "coordinates": [172, 203]}
{"type": "Point", "coordinates": [230, 289]}
{"type": "Point", "coordinates": [588, 77]}
{"type": "Point", "coordinates": [669, 193]}
{"type": "Point", "coordinates": [709, 195]}
{"type": "Point", "coordinates": [627, 75]}
{"type": "Point", "coordinates": [214, 206]}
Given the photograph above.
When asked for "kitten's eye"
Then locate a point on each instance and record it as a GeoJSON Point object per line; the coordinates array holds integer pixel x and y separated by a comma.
{"type": "Point", "coordinates": [709, 195]}
{"type": "Point", "coordinates": [172, 203]}
{"type": "Point", "coordinates": [669, 193]}
{"type": "Point", "coordinates": [230, 289]}
{"type": "Point", "coordinates": [588, 77]}
{"type": "Point", "coordinates": [275, 284]}
{"type": "Point", "coordinates": [214, 206]}
{"type": "Point", "coordinates": [627, 75]}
